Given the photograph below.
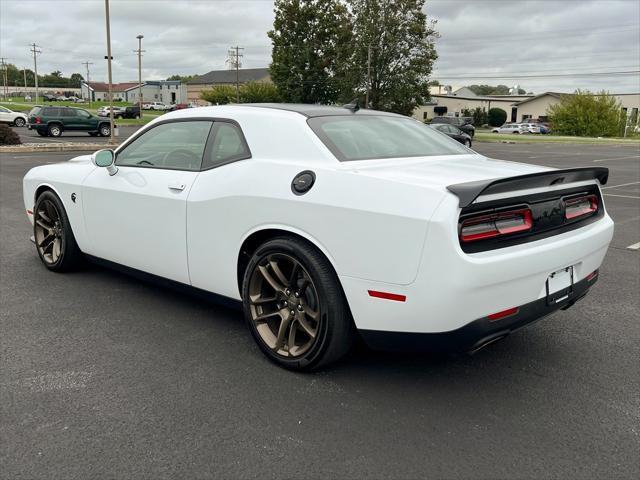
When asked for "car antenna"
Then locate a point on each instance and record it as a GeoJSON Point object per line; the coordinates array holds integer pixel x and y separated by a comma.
{"type": "Point", "coordinates": [354, 105]}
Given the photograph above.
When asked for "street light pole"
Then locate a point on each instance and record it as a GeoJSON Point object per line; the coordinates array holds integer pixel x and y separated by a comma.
{"type": "Point", "coordinates": [140, 37]}
{"type": "Point", "coordinates": [106, 9]}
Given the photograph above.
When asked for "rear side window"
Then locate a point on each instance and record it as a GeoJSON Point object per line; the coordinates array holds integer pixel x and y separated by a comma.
{"type": "Point", "coordinates": [368, 137]}
{"type": "Point", "coordinates": [51, 112]}
{"type": "Point", "coordinates": [66, 112]}
{"type": "Point", "coordinates": [228, 145]}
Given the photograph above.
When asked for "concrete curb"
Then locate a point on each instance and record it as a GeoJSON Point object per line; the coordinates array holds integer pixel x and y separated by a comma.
{"type": "Point", "coordinates": [55, 147]}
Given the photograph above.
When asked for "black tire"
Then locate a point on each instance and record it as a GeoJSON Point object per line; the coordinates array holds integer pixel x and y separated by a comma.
{"type": "Point", "coordinates": [334, 328]}
{"type": "Point", "coordinates": [54, 130]}
{"type": "Point", "coordinates": [467, 143]}
{"type": "Point", "coordinates": [70, 255]}
{"type": "Point", "coordinates": [42, 133]}
{"type": "Point", "coordinates": [104, 130]}
{"type": "Point", "coordinates": [93, 134]}
{"type": "Point", "coordinates": [19, 122]}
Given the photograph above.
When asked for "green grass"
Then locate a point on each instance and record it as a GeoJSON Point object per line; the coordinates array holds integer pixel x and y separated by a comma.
{"type": "Point", "coordinates": [503, 137]}
{"type": "Point", "coordinates": [19, 105]}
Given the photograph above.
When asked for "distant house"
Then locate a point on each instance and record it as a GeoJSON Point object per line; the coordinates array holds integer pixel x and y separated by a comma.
{"type": "Point", "coordinates": [167, 91]}
{"type": "Point", "coordinates": [224, 77]}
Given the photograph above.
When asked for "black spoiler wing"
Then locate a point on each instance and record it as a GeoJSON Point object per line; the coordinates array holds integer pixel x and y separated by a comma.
{"type": "Point", "coordinates": [468, 192]}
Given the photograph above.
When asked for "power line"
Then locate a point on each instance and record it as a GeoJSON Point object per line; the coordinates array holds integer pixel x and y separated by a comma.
{"type": "Point", "coordinates": [86, 64]}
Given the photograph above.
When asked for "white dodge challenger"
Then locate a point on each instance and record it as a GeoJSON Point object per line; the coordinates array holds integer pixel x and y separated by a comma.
{"type": "Point", "coordinates": [329, 222]}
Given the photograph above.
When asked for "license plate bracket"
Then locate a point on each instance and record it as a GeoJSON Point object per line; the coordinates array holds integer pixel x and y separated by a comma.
{"type": "Point", "coordinates": [559, 285]}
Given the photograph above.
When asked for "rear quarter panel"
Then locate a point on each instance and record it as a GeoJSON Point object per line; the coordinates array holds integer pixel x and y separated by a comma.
{"type": "Point", "coordinates": [367, 227]}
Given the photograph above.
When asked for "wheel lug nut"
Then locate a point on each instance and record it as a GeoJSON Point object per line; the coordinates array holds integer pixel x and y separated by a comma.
{"type": "Point", "coordinates": [287, 291]}
{"type": "Point", "coordinates": [297, 294]}
{"type": "Point", "coordinates": [300, 307]}
{"type": "Point", "coordinates": [293, 312]}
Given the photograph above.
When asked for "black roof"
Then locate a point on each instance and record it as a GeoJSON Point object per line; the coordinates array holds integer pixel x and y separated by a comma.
{"type": "Point", "coordinates": [229, 76]}
{"type": "Point", "coordinates": [312, 110]}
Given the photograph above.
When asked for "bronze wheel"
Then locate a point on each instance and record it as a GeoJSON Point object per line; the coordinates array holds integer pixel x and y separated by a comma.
{"type": "Point", "coordinates": [294, 305]}
{"type": "Point", "coordinates": [284, 305]}
{"type": "Point", "coordinates": [49, 233]}
{"type": "Point", "coordinates": [52, 233]}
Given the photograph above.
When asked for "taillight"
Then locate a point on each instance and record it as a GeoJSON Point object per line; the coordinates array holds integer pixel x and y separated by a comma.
{"type": "Point", "coordinates": [578, 207]}
{"type": "Point", "coordinates": [38, 120]}
{"type": "Point", "coordinates": [495, 225]}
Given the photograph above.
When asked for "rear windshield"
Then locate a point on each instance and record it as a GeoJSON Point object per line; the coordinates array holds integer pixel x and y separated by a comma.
{"type": "Point", "coordinates": [35, 111]}
{"type": "Point", "coordinates": [376, 137]}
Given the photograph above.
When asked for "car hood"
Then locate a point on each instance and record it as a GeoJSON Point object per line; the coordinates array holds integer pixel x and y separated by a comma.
{"type": "Point", "coordinates": [441, 171]}
{"type": "Point", "coordinates": [80, 159]}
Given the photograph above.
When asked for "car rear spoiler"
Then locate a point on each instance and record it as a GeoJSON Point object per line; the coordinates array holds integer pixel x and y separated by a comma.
{"type": "Point", "coordinates": [470, 191]}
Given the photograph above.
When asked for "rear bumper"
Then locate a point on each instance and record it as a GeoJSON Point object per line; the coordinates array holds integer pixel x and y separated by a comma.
{"type": "Point", "coordinates": [477, 334]}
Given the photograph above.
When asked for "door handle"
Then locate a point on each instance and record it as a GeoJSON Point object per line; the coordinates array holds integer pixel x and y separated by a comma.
{"type": "Point", "coordinates": [177, 186]}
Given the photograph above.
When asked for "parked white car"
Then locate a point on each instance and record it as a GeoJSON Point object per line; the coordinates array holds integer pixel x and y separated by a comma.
{"type": "Point", "coordinates": [529, 128]}
{"type": "Point", "coordinates": [105, 111]}
{"type": "Point", "coordinates": [323, 221]}
{"type": "Point", "coordinates": [156, 106]}
{"type": "Point", "coordinates": [509, 128]}
{"type": "Point", "coordinates": [18, 119]}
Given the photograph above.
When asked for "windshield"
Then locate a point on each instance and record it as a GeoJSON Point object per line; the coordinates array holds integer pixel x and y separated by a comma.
{"type": "Point", "coordinates": [376, 137]}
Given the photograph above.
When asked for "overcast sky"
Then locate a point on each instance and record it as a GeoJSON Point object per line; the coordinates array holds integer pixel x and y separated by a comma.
{"type": "Point", "coordinates": [479, 38]}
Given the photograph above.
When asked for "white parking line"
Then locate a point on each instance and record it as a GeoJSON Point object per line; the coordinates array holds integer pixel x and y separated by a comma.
{"type": "Point", "coordinates": [635, 246]}
{"type": "Point", "coordinates": [616, 158]}
{"type": "Point", "coordinates": [621, 196]}
{"type": "Point", "coordinates": [621, 185]}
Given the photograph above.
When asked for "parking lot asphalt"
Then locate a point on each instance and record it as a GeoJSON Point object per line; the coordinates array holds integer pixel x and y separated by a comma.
{"type": "Point", "coordinates": [31, 136]}
{"type": "Point", "coordinates": [107, 376]}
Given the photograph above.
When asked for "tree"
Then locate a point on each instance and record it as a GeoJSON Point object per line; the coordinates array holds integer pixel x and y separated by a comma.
{"type": "Point", "coordinates": [398, 38]}
{"type": "Point", "coordinates": [182, 78]}
{"type": "Point", "coordinates": [497, 117]}
{"type": "Point", "coordinates": [311, 40]}
{"type": "Point", "coordinates": [251, 92]}
{"type": "Point", "coordinates": [484, 90]}
{"type": "Point", "coordinates": [219, 95]}
{"type": "Point", "coordinates": [585, 114]}
{"type": "Point", "coordinates": [75, 80]}
{"type": "Point", "coordinates": [259, 92]}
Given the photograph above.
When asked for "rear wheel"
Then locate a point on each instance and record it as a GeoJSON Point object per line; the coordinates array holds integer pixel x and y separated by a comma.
{"type": "Point", "coordinates": [55, 242]}
{"type": "Point", "coordinates": [19, 122]}
{"type": "Point", "coordinates": [55, 130]}
{"type": "Point", "coordinates": [467, 142]}
{"type": "Point", "coordinates": [294, 306]}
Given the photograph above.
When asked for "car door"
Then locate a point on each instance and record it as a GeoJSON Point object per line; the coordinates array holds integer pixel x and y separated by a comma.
{"type": "Point", "coordinates": [4, 115]}
{"type": "Point", "coordinates": [138, 216]}
{"type": "Point", "coordinates": [83, 120]}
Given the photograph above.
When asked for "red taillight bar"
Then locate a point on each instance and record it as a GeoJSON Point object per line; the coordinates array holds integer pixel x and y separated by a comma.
{"type": "Point", "coordinates": [38, 120]}
{"type": "Point", "coordinates": [578, 207]}
{"type": "Point", "coordinates": [497, 224]}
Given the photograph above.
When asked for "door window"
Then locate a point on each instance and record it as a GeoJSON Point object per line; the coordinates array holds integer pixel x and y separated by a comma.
{"type": "Point", "coordinates": [3, 110]}
{"type": "Point", "coordinates": [83, 114]}
{"type": "Point", "coordinates": [228, 146]}
{"type": "Point", "coordinates": [175, 146]}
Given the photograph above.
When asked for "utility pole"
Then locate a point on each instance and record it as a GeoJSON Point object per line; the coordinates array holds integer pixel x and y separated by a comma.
{"type": "Point", "coordinates": [24, 71]}
{"type": "Point", "coordinates": [140, 37]}
{"type": "Point", "coordinates": [86, 64]}
{"type": "Point", "coordinates": [366, 101]}
{"type": "Point", "coordinates": [109, 58]}
{"type": "Point", "coordinates": [35, 51]}
{"type": "Point", "coordinates": [4, 77]}
{"type": "Point", "coordinates": [236, 51]}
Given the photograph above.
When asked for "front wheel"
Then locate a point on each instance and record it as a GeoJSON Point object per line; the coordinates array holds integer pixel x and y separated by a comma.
{"type": "Point", "coordinates": [294, 305]}
{"type": "Point", "coordinates": [54, 238]}
{"type": "Point", "coordinates": [105, 130]}
{"type": "Point", "coordinates": [19, 122]}
{"type": "Point", "coordinates": [467, 143]}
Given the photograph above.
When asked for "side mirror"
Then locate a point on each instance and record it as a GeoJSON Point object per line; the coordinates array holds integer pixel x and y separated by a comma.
{"type": "Point", "coordinates": [105, 159]}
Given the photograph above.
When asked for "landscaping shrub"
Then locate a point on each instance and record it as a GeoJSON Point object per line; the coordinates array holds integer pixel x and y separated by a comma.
{"type": "Point", "coordinates": [251, 92]}
{"type": "Point", "coordinates": [8, 136]}
{"type": "Point", "coordinates": [497, 117]}
{"type": "Point", "coordinates": [585, 114]}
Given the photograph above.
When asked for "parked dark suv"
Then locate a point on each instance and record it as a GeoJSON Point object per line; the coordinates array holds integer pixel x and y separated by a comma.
{"type": "Point", "coordinates": [52, 121]}
{"type": "Point", "coordinates": [463, 123]}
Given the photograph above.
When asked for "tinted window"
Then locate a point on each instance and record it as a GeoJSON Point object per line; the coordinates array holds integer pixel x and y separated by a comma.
{"type": "Point", "coordinates": [4, 110]}
{"type": "Point", "coordinates": [175, 145]}
{"type": "Point", "coordinates": [35, 111]}
{"type": "Point", "coordinates": [375, 137]}
{"type": "Point", "coordinates": [51, 112]}
{"type": "Point", "coordinates": [66, 112]}
{"type": "Point", "coordinates": [82, 113]}
{"type": "Point", "coordinates": [228, 145]}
